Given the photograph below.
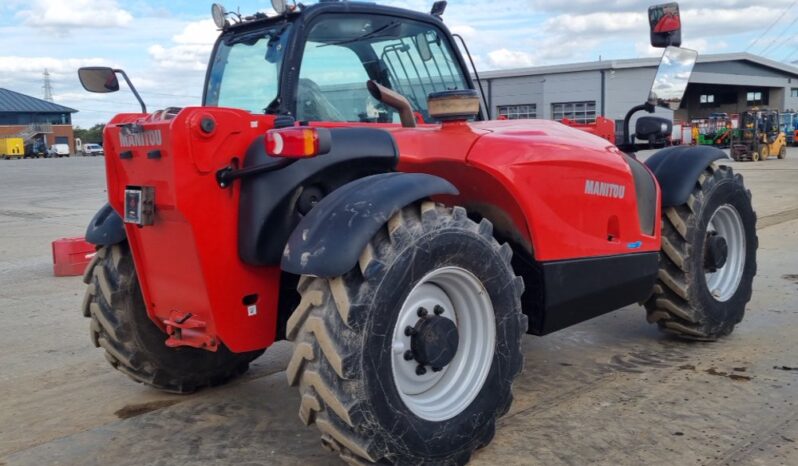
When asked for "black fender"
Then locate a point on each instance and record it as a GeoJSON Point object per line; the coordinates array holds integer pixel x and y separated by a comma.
{"type": "Point", "coordinates": [330, 238]}
{"type": "Point", "coordinates": [677, 169]}
{"type": "Point", "coordinates": [272, 204]}
{"type": "Point", "coordinates": [106, 228]}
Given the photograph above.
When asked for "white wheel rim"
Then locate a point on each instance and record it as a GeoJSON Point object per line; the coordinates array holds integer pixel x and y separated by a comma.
{"type": "Point", "coordinates": [438, 396]}
{"type": "Point", "coordinates": [727, 223]}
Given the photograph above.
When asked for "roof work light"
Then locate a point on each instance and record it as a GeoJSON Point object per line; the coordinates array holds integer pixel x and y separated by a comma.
{"type": "Point", "coordinates": [219, 16]}
{"type": "Point", "coordinates": [282, 6]}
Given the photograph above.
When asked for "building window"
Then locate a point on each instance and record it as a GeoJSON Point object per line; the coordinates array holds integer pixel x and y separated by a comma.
{"type": "Point", "coordinates": [707, 99]}
{"type": "Point", "coordinates": [794, 92]}
{"type": "Point", "coordinates": [754, 97]}
{"type": "Point", "coordinates": [518, 112]}
{"type": "Point", "coordinates": [580, 112]}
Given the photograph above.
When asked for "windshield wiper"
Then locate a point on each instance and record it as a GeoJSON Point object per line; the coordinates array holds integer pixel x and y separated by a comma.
{"type": "Point", "coordinates": [367, 35]}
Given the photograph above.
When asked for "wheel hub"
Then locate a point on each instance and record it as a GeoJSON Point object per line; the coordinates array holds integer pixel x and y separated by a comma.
{"type": "Point", "coordinates": [717, 252]}
{"type": "Point", "coordinates": [434, 341]}
{"type": "Point", "coordinates": [443, 343]}
{"type": "Point", "coordinates": [724, 253]}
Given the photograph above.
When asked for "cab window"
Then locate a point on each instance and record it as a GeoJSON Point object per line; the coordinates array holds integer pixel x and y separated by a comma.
{"type": "Point", "coordinates": [341, 55]}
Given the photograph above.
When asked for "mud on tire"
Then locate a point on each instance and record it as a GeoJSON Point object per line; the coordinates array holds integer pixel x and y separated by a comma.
{"type": "Point", "coordinates": [133, 344]}
{"type": "Point", "coordinates": [682, 302]}
{"type": "Point", "coordinates": [343, 330]}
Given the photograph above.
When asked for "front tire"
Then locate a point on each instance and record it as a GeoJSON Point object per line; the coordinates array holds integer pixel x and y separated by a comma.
{"type": "Point", "coordinates": [362, 338]}
{"type": "Point", "coordinates": [134, 345]}
{"type": "Point", "coordinates": [708, 259]}
{"type": "Point", "coordinates": [783, 152]}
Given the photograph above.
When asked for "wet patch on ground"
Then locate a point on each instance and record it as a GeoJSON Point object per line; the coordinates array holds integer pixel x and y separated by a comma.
{"type": "Point", "coordinates": [791, 277]}
{"type": "Point", "coordinates": [130, 411]}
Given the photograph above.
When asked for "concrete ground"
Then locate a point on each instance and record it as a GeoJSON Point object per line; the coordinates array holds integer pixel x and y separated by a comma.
{"type": "Point", "coordinates": [609, 391]}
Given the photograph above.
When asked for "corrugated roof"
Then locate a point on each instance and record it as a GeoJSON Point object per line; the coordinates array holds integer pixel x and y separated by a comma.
{"type": "Point", "coordinates": [635, 63]}
{"type": "Point", "coordinates": [14, 102]}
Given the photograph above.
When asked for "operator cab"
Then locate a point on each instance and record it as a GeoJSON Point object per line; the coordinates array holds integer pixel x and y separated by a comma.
{"type": "Point", "coordinates": [313, 63]}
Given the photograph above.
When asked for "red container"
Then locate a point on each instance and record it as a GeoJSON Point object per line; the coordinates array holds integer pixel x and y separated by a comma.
{"type": "Point", "coordinates": [71, 256]}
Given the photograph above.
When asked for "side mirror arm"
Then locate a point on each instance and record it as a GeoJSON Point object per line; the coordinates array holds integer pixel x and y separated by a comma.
{"type": "Point", "coordinates": [132, 88]}
{"type": "Point", "coordinates": [627, 136]}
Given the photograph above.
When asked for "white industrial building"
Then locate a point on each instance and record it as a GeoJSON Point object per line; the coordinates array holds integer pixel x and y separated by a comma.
{"type": "Point", "coordinates": [727, 83]}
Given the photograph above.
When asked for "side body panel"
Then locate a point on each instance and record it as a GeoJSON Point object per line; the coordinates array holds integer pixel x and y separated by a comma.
{"type": "Point", "coordinates": [569, 194]}
{"type": "Point", "coordinates": [187, 260]}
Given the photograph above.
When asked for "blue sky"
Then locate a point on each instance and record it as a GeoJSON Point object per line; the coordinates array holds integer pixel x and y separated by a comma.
{"type": "Point", "coordinates": [164, 46]}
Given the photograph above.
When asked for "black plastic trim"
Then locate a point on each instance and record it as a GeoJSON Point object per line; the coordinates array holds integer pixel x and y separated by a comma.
{"type": "Point", "coordinates": [581, 289]}
{"type": "Point", "coordinates": [269, 209]}
{"type": "Point", "coordinates": [646, 192]}
{"type": "Point", "coordinates": [677, 170]}
{"type": "Point", "coordinates": [106, 228]}
{"type": "Point", "coordinates": [329, 240]}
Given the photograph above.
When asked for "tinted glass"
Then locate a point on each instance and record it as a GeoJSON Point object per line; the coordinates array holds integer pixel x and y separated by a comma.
{"type": "Point", "coordinates": [341, 55]}
{"type": "Point", "coordinates": [245, 71]}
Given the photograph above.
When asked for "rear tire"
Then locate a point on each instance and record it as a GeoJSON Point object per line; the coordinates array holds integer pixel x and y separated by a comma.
{"type": "Point", "coordinates": [134, 345]}
{"type": "Point", "coordinates": [783, 152]}
{"type": "Point", "coordinates": [351, 363]}
{"type": "Point", "coordinates": [682, 302]}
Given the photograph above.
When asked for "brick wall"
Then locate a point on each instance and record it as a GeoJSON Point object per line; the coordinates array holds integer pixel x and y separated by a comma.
{"type": "Point", "coordinates": [58, 130]}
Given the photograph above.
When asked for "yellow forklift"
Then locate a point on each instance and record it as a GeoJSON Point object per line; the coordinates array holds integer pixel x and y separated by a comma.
{"type": "Point", "coordinates": [758, 136]}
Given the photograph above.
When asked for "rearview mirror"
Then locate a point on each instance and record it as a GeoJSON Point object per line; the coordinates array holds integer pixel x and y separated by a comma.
{"type": "Point", "coordinates": [101, 80]}
{"type": "Point", "coordinates": [423, 47]}
{"type": "Point", "coordinates": [672, 77]}
{"type": "Point", "coordinates": [666, 25]}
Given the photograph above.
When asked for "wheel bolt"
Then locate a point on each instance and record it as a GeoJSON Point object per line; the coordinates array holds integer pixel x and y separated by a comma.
{"type": "Point", "coordinates": [438, 310]}
{"type": "Point", "coordinates": [421, 370]}
{"type": "Point", "coordinates": [422, 312]}
{"type": "Point", "coordinates": [410, 331]}
{"type": "Point", "coordinates": [408, 355]}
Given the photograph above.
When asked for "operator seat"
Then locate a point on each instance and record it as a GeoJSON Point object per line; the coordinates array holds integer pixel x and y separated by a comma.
{"type": "Point", "coordinates": [312, 105]}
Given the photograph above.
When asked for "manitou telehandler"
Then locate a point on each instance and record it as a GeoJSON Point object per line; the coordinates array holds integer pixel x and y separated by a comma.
{"type": "Point", "coordinates": [340, 188]}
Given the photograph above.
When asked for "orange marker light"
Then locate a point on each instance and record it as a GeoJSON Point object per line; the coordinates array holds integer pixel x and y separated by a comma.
{"type": "Point", "coordinates": [297, 142]}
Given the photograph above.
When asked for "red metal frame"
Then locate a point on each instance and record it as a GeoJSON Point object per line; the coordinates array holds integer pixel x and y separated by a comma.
{"type": "Point", "coordinates": [189, 270]}
{"type": "Point", "coordinates": [602, 127]}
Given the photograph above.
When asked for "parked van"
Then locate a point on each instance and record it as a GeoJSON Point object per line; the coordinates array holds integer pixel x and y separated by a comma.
{"type": "Point", "coordinates": [58, 150]}
{"type": "Point", "coordinates": [92, 150]}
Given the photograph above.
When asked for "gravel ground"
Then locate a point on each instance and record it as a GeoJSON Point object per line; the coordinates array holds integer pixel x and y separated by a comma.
{"type": "Point", "coordinates": [609, 391]}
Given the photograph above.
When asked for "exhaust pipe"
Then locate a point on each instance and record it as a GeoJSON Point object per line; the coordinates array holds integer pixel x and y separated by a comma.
{"type": "Point", "coordinates": [395, 100]}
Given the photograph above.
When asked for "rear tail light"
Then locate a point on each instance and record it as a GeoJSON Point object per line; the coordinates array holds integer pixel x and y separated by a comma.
{"type": "Point", "coordinates": [298, 142]}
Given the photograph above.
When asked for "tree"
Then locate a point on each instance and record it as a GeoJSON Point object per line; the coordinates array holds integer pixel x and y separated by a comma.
{"type": "Point", "coordinates": [93, 135]}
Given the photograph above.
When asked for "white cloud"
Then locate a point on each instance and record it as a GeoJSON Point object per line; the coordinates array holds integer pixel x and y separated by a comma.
{"type": "Point", "coordinates": [504, 58]}
{"type": "Point", "coordinates": [61, 16]}
{"type": "Point", "coordinates": [202, 32]}
{"type": "Point", "coordinates": [191, 50]}
{"type": "Point", "coordinates": [597, 23]}
{"type": "Point", "coordinates": [17, 68]}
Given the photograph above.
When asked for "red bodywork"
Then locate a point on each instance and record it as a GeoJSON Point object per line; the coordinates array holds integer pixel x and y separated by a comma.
{"type": "Point", "coordinates": [530, 177]}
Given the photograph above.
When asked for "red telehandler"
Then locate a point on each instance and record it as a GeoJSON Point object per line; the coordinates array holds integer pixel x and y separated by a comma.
{"type": "Point", "coordinates": [340, 188]}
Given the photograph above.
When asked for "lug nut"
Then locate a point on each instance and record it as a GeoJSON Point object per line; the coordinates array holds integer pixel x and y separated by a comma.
{"type": "Point", "coordinates": [422, 312]}
{"type": "Point", "coordinates": [410, 331]}
{"type": "Point", "coordinates": [438, 310]}
{"type": "Point", "coordinates": [421, 370]}
{"type": "Point", "coordinates": [408, 355]}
